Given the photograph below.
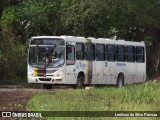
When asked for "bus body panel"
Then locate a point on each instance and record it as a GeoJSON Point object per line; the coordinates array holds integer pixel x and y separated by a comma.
{"type": "Point", "coordinates": [110, 72]}
{"type": "Point", "coordinates": [99, 72]}
{"type": "Point", "coordinates": [130, 76]}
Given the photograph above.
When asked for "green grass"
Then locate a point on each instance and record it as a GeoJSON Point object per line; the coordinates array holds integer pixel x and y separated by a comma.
{"type": "Point", "coordinates": [141, 97]}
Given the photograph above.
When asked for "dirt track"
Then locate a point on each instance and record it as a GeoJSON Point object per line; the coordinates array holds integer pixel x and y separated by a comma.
{"type": "Point", "coordinates": [15, 99]}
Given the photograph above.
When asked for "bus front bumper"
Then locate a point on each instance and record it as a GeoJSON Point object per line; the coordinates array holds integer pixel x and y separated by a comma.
{"type": "Point", "coordinates": [46, 80]}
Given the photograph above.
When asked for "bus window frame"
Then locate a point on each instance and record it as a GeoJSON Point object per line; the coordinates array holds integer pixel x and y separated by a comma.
{"type": "Point", "coordinates": [114, 55]}
{"type": "Point", "coordinates": [93, 52]}
{"type": "Point", "coordinates": [134, 53]}
{"type": "Point", "coordinates": [124, 59]}
{"type": "Point", "coordinates": [103, 53]}
{"type": "Point", "coordinates": [83, 52]}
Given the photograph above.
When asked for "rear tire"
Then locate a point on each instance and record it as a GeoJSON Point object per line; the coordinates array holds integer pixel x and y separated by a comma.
{"type": "Point", "coordinates": [47, 86]}
{"type": "Point", "coordinates": [120, 81]}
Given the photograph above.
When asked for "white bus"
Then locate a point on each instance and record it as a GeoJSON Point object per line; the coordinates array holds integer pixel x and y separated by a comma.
{"type": "Point", "coordinates": [80, 61]}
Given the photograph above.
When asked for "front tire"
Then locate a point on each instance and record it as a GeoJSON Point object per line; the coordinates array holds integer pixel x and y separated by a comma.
{"type": "Point", "coordinates": [47, 86]}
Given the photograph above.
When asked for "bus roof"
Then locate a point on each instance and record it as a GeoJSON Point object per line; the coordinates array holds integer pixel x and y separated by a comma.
{"type": "Point", "coordinates": [95, 40]}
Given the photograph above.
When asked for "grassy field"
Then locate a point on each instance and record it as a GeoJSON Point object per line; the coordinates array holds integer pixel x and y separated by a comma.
{"type": "Point", "coordinates": [141, 97]}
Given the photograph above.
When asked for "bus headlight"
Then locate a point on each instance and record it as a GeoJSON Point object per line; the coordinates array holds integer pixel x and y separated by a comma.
{"type": "Point", "coordinates": [31, 72]}
{"type": "Point", "coordinates": [59, 73]}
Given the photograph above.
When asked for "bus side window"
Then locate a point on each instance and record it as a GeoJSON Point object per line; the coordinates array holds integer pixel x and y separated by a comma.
{"type": "Point", "coordinates": [79, 51]}
{"type": "Point", "coordinates": [70, 54]}
{"type": "Point", "coordinates": [120, 53]}
{"type": "Point", "coordinates": [111, 50]}
{"type": "Point", "coordinates": [100, 55]}
{"type": "Point", "coordinates": [89, 51]}
{"type": "Point", "coordinates": [130, 53]}
{"type": "Point", "coordinates": [140, 54]}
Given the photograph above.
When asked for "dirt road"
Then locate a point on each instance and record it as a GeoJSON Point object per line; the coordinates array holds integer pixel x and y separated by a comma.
{"type": "Point", "coordinates": [15, 99]}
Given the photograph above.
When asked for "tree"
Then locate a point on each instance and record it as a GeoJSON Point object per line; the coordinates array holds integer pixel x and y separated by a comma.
{"type": "Point", "coordinates": [37, 17]}
{"type": "Point", "coordinates": [71, 17]}
{"type": "Point", "coordinates": [139, 21]}
{"type": "Point", "coordinates": [86, 17]}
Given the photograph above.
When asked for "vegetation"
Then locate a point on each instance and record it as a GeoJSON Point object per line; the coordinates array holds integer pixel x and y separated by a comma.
{"type": "Point", "coordinates": [127, 19]}
{"type": "Point", "coordinates": [142, 97]}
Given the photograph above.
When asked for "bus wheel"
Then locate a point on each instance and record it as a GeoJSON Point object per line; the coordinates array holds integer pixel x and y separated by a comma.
{"type": "Point", "coordinates": [47, 86]}
{"type": "Point", "coordinates": [80, 82]}
{"type": "Point", "coordinates": [120, 81]}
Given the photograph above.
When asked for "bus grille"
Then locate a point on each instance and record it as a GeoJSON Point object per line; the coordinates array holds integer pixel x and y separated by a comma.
{"type": "Point", "coordinates": [50, 71]}
{"type": "Point", "coordinates": [45, 79]}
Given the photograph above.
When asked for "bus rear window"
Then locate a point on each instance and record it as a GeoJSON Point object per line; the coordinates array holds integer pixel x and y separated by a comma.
{"type": "Point", "coordinates": [140, 54]}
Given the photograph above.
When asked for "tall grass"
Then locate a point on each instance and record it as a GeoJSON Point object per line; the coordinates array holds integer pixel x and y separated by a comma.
{"type": "Point", "coordinates": [141, 97]}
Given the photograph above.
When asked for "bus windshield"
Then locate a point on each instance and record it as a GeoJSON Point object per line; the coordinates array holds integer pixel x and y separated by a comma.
{"type": "Point", "coordinates": [46, 56]}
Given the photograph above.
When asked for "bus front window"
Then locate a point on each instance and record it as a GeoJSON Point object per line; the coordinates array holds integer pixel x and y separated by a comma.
{"type": "Point", "coordinates": [46, 56]}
